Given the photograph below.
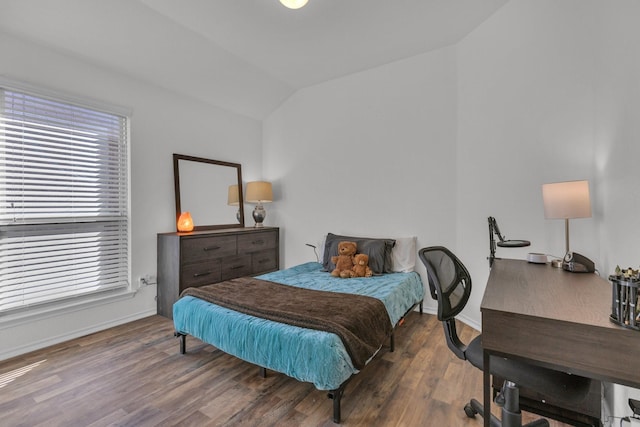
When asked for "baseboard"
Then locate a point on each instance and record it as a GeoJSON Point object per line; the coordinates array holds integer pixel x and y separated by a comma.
{"type": "Point", "coordinates": [467, 321]}
{"type": "Point", "coordinates": [462, 318]}
{"type": "Point", "coordinates": [37, 345]}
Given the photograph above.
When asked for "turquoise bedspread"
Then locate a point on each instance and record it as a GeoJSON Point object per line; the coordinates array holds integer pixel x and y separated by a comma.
{"type": "Point", "coordinates": [304, 354]}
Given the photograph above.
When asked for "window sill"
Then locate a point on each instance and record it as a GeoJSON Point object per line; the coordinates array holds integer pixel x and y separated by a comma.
{"type": "Point", "coordinates": [21, 316]}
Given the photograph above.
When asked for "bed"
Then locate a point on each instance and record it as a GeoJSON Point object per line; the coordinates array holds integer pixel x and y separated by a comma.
{"type": "Point", "coordinates": [308, 355]}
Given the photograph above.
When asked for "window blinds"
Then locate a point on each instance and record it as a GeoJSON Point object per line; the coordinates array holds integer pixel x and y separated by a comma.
{"type": "Point", "coordinates": [63, 200]}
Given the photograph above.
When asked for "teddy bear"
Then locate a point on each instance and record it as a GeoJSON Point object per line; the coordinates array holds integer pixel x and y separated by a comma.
{"type": "Point", "coordinates": [344, 259]}
{"type": "Point", "coordinates": [361, 266]}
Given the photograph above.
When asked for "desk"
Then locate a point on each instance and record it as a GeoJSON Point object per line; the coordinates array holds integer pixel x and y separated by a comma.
{"type": "Point", "coordinates": [556, 319]}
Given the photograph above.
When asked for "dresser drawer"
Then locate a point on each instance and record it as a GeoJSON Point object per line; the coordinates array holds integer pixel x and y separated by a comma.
{"type": "Point", "coordinates": [236, 266]}
{"type": "Point", "coordinates": [206, 248]}
{"type": "Point", "coordinates": [253, 242]}
{"type": "Point", "coordinates": [201, 273]}
{"type": "Point", "coordinates": [264, 261]}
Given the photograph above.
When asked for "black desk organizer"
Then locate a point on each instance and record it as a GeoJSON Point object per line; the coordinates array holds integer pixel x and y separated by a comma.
{"type": "Point", "coordinates": [624, 305]}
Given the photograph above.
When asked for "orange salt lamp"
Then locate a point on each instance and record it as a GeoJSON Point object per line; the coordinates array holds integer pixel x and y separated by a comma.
{"type": "Point", "coordinates": [185, 223]}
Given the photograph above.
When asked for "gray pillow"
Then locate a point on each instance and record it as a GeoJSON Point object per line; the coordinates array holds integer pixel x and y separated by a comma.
{"type": "Point", "coordinates": [378, 250]}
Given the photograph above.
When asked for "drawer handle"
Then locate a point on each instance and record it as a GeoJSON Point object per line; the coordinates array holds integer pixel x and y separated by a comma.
{"type": "Point", "coordinates": [258, 242]}
{"type": "Point", "coordinates": [235, 267]}
{"type": "Point", "coordinates": [211, 248]}
{"type": "Point", "coordinates": [206, 273]}
{"type": "Point", "coordinates": [262, 261]}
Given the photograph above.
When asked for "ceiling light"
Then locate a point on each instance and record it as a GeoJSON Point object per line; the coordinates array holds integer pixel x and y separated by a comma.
{"type": "Point", "coordinates": [294, 4]}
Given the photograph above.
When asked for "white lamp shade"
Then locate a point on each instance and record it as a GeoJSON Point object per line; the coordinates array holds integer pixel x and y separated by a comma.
{"type": "Point", "coordinates": [233, 198]}
{"type": "Point", "coordinates": [294, 4]}
{"type": "Point", "coordinates": [566, 200]}
{"type": "Point", "coordinates": [259, 192]}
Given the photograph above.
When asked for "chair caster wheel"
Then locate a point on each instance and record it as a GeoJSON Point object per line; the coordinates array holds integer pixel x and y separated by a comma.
{"type": "Point", "coordinates": [471, 413]}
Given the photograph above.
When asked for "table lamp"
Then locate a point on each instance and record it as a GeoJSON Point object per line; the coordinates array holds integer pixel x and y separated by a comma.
{"type": "Point", "coordinates": [568, 200]}
{"type": "Point", "coordinates": [233, 198]}
{"type": "Point", "coordinates": [259, 192]}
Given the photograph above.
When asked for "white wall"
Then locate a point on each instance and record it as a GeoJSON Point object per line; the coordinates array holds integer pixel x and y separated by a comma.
{"type": "Point", "coordinates": [522, 115]}
{"type": "Point", "coordinates": [618, 140]}
{"type": "Point", "coordinates": [162, 123]}
{"type": "Point", "coordinates": [526, 117]}
{"type": "Point", "coordinates": [369, 154]}
{"type": "Point", "coordinates": [618, 131]}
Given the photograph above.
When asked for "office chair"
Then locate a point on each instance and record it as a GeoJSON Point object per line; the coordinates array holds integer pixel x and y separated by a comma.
{"type": "Point", "coordinates": [450, 285]}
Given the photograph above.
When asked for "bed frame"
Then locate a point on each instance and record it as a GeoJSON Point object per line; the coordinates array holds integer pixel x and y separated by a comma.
{"type": "Point", "coordinates": [336, 394]}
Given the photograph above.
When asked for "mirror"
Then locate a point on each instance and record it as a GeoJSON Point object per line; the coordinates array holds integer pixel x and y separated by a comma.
{"type": "Point", "coordinates": [202, 187]}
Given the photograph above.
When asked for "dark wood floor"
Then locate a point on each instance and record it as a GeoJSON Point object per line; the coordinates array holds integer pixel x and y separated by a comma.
{"type": "Point", "coordinates": [134, 375]}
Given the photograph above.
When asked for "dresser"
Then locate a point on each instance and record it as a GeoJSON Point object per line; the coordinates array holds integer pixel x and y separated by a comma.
{"type": "Point", "coordinates": [204, 257]}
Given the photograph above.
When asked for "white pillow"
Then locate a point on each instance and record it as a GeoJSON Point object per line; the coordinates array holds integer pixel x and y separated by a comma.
{"type": "Point", "coordinates": [403, 254]}
{"type": "Point", "coordinates": [320, 249]}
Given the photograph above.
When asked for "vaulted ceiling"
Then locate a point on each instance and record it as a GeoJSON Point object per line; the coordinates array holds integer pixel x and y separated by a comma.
{"type": "Point", "coordinates": [245, 56]}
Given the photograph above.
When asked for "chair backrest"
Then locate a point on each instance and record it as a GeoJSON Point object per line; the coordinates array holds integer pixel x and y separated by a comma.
{"type": "Point", "coordinates": [449, 280]}
{"type": "Point", "coordinates": [450, 285]}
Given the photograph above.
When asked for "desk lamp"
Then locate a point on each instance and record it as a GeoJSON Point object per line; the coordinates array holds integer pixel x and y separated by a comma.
{"type": "Point", "coordinates": [494, 230]}
{"type": "Point", "coordinates": [568, 200]}
{"type": "Point", "coordinates": [259, 192]}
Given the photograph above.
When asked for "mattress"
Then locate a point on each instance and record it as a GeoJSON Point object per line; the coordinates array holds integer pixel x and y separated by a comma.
{"type": "Point", "coordinates": [307, 355]}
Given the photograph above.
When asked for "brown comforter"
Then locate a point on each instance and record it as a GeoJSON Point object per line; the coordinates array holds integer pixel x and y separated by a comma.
{"type": "Point", "coordinates": [361, 322]}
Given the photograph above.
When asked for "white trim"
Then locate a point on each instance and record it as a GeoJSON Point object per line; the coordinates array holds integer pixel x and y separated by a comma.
{"type": "Point", "coordinates": [81, 101]}
{"type": "Point", "coordinates": [464, 319]}
{"type": "Point", "coordinates": [27, 315]}
{"type": "Point", "coordinates": [17, 351]}
{"type": "Point", "coordinates": [469, 322]}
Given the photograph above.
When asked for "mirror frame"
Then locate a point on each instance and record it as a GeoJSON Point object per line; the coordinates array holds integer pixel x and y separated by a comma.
{"type": "Point", "coordinates": [176, 182]}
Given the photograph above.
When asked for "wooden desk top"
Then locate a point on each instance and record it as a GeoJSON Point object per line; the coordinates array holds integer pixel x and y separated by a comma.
{"type": "Point", "coordinates": [558, 319]}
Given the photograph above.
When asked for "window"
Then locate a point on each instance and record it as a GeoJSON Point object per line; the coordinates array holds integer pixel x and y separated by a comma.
{"type": "Point", "coordinates": [63, 200]}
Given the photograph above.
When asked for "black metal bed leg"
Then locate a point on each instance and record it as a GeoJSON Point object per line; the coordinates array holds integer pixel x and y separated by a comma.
{"type": "Point", "coordinates": [183, 342]}
{"type": "Point", "coordinates": [263, 372]}
{"type": "Point", "coordinates": [421, 310]}
{"type": "Point", "coordinates": [336, 396]}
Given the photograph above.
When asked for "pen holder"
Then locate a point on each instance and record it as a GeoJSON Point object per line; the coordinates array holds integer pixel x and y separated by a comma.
{"type": "Point", "coordinates": [625, 310]}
